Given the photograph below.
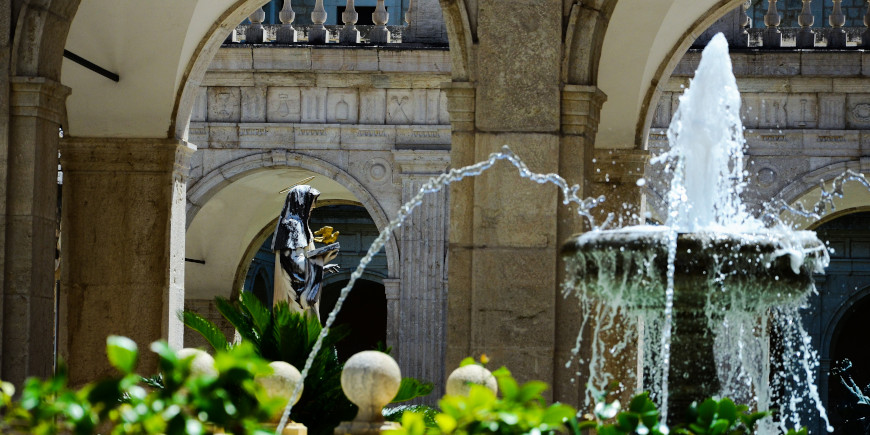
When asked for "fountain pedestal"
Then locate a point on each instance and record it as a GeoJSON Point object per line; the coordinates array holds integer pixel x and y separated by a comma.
{"type": "Point", "coordinates": [714, 275]}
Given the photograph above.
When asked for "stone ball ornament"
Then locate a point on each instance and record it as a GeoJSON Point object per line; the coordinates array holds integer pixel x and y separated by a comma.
{"type": "Point", "coordinates": [459, 382]}
{"type": "Point", "coordinates": [282, 382]}
{"type": "Point", "coordinates": [370, 380]}
{"type": "Point", "coordinates": [202, 364]}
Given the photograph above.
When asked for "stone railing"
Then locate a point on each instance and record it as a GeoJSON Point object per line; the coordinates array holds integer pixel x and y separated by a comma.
{"type": "Point", "coordinates": [417, 28]}
{"type": "Point", "coordinates": [794, 28]}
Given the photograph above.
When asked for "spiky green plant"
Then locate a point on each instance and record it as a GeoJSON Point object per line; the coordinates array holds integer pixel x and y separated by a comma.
{"type": "Point", "coordinates": [283, 335]}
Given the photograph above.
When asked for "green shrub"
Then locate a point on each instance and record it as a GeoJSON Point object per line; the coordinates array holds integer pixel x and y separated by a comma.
{"type": "Point", "coordinates": [186, 403]}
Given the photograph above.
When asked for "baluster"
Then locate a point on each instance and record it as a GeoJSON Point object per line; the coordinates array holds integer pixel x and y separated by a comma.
{"type": "Point", "coordinates": [318, 33]}
{"type": "Point", "coordinates": [772, 36]}
{"type": "Point", "coordinates": [837, 36]}
{"type": "Point", "coordinates": [380, 34]}
{"type": "Point", "coordinates": [806, 38]}
{"type": "Point", "coordinates": [349, 33]}
{"type": "Point", "coordinates": [255, 34]}
{"type": "Point", "coordinates": [286, 33]}
{"type": "Point", "coordinates": [742, 38]}
{"type": "Point", "coordinates": [865, 37]}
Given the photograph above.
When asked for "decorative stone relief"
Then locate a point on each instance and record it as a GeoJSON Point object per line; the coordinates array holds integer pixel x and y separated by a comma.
{"type": "Point", "coordinates": [859, 111]}
{"type": "Point", "coordinates": [379, 170]}
{"type": "Point", "coordinates": [373, 106]}
{"type": "Point", "coordinates": [831, 108]}
{"type": "Point", "coordinates": [341, 106]}
{"type": "Point", "coordinates": [400, 107]}
{"type": "Point", "coordinates": [224, 104]}
{"type": "Point", "coordinates": [284, 105]}
{"type": "Point", "coordinates": [766, 177]}
{"type": "Point", "coordinates": [253, 104]}
{"type": "Point", "coordinates": [314, 105]}
{"type": "Point", "coordinates": [772, 111]}
{"type": "Point", "coordinates": [801, 111]}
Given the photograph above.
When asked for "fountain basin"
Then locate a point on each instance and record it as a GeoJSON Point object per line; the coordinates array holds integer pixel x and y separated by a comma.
{"type": "Point", "coordinates": [716, 275]}
{"type": "Point", "coordinates": [746, 271]}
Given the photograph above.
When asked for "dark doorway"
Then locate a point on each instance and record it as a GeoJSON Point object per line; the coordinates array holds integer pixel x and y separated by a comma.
{"type": "Point", "coordinates": [364, 312]}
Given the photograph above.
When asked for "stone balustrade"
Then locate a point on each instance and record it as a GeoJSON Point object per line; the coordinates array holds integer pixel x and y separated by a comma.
{"type": "Point", "coordinates": [422, 24]}
{"type": "Point", "coordinates": [810, 24]}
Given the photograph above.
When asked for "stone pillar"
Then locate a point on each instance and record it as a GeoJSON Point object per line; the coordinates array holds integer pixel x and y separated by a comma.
{"type": "Point", "coordinates": [425, 24]}
{"type": "Point", "coordinates": [36, 109]}
{"type": "Point", "coordinates": [581, 106]}
{"type": "Point", "coordinates": [423, 297]}
{"type": "Point", "coordinates": [392, 290]}
{"type": "Point", "coordinates": [460, 105]}
{"type": "Point", "coordinates": [123, 248]}
{"type": "Point", "coordinates": [507, 283]}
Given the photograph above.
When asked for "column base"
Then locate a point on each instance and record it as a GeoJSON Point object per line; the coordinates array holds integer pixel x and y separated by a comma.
{"type": "Point", "coordinates": [365, 427]}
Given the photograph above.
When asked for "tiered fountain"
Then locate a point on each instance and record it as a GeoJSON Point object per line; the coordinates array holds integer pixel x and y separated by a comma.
{"type": "Point", "coordinates": [700, 288]}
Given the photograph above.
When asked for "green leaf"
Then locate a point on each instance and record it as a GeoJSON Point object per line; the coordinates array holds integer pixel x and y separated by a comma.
{"type": "Point", "coordinates": [706, 412]}
{"type": "Point", "coordinates": [207, 329]}
{"type": "Point", "coordinates": [727, 410]}
{"type": "Point", "coordinates": [627, 421]}
{"type": "Point", "coordinates": [467, 362]}
{"type": "Point", "coordinates": [640, 403]}
{"type": "Point", "coordinates": [122, 353]}
{"type": "Point", "coordinates": [260, 315]}
{"type": "Point", "coordinates": [411, 388]}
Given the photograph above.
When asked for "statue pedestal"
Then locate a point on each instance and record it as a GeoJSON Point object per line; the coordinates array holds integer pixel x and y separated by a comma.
{"type": "Point", "coordinates": [365, 427]}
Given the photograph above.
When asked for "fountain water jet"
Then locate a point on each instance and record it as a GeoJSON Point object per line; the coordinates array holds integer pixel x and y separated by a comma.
{"type": "Point", "coordinates": [701, 287]}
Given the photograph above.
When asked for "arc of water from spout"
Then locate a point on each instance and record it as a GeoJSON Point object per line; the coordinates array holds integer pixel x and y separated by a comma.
{"type": "Point", "coordinates": [820, 208]}
{"type": "Point", "coordinates": [435, 184]}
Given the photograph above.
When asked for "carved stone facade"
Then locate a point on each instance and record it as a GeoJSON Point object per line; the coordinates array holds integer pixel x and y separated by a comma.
{"type": "Point", "coordinates": [376, 115]}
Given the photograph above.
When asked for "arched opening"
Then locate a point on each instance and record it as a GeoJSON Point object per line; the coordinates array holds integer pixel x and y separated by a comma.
{"type": "Point", "coordinates": [840, 313]}
{"type": "Point", "coordinates": [365, 311]}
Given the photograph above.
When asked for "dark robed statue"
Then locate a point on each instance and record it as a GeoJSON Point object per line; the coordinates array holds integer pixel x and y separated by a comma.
{"type": "Point", "coordinates": [299, 266]}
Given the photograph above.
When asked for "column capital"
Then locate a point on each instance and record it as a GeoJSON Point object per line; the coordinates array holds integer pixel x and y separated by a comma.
{"type": "Point", "coordinates": [421, 162]}
{"type": "Point", "coordinates": [392, 288]}
{"type": "Point", "coordinates": [97, 154]}
{"type": "Point", "coordinates": [581, 108]}
{"type": "Point", "coordinates": [461, 97]}
{"type": "Point", "coordinates": [38, 97]}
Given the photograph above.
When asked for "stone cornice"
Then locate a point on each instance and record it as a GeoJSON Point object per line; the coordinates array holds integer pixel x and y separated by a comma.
{"type": "Point", "coordinates": [581, 109]}
{"type": "Point", "coordinates": [461, 97]}
{"type": "Point", "coordinates": [139, 155]}
{"type": "Point", "coordinates": [38, 97]}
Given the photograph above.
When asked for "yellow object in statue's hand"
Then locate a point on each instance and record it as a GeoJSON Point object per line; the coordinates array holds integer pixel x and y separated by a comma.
{"type": "Point", "coordinates": [327, 235]}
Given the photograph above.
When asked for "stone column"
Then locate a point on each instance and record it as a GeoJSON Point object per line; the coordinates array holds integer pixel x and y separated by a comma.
{"type": "Point", "coordinates": [460, 105]}
{"type": "Point", "coordinates": [581, 106]}
{"type": "Point", "coordinates": [423, 296]}
{"type": "Point", "coordinates": [392, 289]}
{"type": "Point", "coordinates": [36, 110]}
{"type": "Point", "coordinates": [123, 248]}
{"type": "Point", "coordinates": [507, 285]}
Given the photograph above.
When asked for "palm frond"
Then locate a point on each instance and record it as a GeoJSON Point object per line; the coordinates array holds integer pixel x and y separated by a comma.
{"type": "Point", "coordinates": [411, 388]}
{"type": "Point", "coordinates": [239, 320]}
{"type": "Point", "coordinates": [207, 329]}
{"type": "Point", "coordinates": [259, 314]}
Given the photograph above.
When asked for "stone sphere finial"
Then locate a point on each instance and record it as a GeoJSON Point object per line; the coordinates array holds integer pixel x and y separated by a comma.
{"type": "Point", "coordinates": [370, 380]}
{"type": "Point", "coordinates": [281, 384]}
{"type": "Point", "coordinates": [202, 364]}
{"type": "Point", "coordinates": [459, 382]}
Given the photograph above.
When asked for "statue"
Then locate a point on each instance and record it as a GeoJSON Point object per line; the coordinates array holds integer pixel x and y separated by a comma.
{"type": "Point", "coordinates": [299, 266]}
